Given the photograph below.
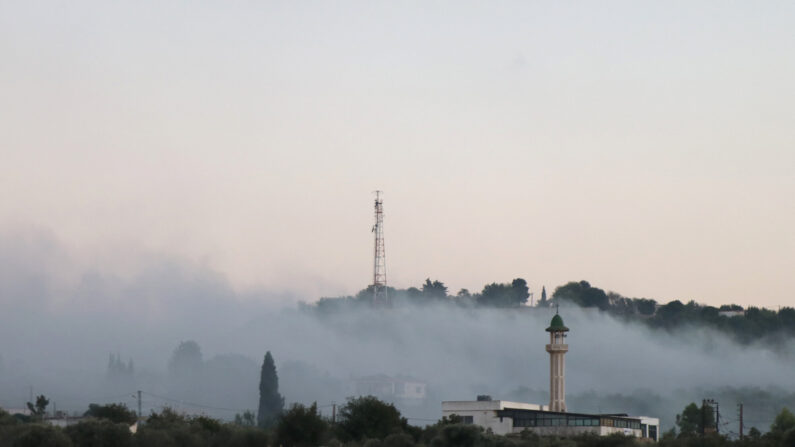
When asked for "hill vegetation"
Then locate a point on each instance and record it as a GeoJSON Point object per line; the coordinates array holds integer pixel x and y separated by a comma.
{"type": "Point", "coordinates": [744, 325]}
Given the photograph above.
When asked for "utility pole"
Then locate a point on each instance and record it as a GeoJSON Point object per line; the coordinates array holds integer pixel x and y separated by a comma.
{"type": "Point", "coordinates": [741, 420]}
{"type": "Point", "coordinates": [333, 413]}
{"type": "Point", "coordinates": [713, 405]}
{"type": "Point", "coordinates": [140, 415]}
{"type": "Point", "coordinates": [380, 298]}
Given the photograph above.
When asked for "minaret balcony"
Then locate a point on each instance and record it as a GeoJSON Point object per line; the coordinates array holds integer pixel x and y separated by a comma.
{"type": "Point", "coordinates": [558, 347]}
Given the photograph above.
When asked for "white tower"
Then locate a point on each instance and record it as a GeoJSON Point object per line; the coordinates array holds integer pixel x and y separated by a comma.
{"type": "Point", "coordinates": [557, 348]}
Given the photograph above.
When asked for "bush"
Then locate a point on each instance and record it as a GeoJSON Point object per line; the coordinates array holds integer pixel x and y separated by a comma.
{"type": "Point", "coordinates": [99, 434]}
{"type": "Point", "coordinates": [398, 440]}
{"type": "Point", "coordinates": [117, 413]}
{"type": "Point", "coordinates": [37, 435]}
{"type": "Point", "coordinates": [458, 435]}
{"type": "Point", "coordinates": [300, 426]}
{"type": "Point", "coordinates": [369, 418]}
{"type": "Point", "coordinates": [247, 437]}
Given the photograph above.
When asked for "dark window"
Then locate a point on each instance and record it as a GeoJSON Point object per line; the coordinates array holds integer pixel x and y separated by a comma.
{"type": "Point", "coordinates": [653, 432]}
{"type": "Point", "coordinates": [524, 422]}
{"type": "Point", "coordinates": [467, 420]}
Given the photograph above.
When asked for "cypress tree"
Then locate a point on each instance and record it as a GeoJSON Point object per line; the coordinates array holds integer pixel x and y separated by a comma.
{"type": "Point", "coordinates": [271, 402]}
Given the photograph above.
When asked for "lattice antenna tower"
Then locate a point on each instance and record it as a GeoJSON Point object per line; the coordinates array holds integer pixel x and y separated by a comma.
{"type": "Point", "coordinates": [380, 298]}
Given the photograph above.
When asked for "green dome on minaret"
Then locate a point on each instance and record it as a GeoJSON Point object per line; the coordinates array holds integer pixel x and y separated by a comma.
{"type": "Point", "coordinates": [557, 325]}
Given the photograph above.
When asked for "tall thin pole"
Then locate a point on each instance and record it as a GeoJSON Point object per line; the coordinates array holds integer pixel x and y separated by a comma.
{"type": "Point", "coordinates": [140, 414]}
{"type": "Point", "coordinates": [380, 297]}
{"type": "Point", "coordinates": [333, 413]}
{"type": "Point", "coordinates": [741, 420]}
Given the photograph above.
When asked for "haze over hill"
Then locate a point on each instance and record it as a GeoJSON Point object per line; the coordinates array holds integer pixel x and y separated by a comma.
{"type": "Point", "coordinates": [60, 334]}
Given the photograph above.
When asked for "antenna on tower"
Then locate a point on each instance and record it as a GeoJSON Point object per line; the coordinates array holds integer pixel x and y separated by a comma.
{"type": "Point", "coordinates": [380, 298]}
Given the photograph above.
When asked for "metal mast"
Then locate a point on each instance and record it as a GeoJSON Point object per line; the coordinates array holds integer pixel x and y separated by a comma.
{"type": "Point", "coordinates": [380, 298]}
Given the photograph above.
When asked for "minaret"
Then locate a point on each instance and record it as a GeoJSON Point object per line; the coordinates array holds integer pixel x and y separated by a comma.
{"type": "Point", "coordinates": [557, 348]}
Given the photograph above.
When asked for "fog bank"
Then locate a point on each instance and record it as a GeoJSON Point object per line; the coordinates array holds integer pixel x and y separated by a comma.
{"type": "Point", "coordinates": [58, 327]}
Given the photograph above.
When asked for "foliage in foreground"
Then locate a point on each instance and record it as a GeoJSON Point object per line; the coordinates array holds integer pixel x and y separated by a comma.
{"type": "Point", "coordinates": [363, 422]}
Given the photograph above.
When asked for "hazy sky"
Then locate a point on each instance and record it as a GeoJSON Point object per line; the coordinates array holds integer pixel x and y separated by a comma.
{"type": "Point", "coordinates": [646, 147]}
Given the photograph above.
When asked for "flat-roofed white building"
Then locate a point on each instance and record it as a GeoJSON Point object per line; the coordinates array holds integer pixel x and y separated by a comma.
{"type": "Point", "coordinates": [403, 390]}
{"type": "Point", "coordinates": [506, 417]}
{"type": "Point", "coordinates": [484, 412]}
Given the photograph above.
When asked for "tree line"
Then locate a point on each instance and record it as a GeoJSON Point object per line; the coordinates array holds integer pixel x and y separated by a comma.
{"type": "Point", "coordinates": [744, 325]}
{"type": "Point", "coordinates": [361, 422]}
{"type": "Point", "coordinates": [510, 295]}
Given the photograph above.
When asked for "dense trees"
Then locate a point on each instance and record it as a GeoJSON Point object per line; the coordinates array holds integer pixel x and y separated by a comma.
{"type": "Point", "coordinates": [784, 422]}
{"type": "Point", "coordinates": [169, 428]}
{"type": "Point", "coordinates": [116, 413]}
{"type": "Point", "coordinates": [458, 435]}
{"type": "Point", "coordinates": [435, 290]}
{"type": "Point", "coordinates": [689, 420]}
{"type": "Point", "coordinates": [582, 294]}
{"type": "Point", "coordinates": [271, 402]}
{"type": "Point", "coordinates": [37, 435]}
{"type": "Point", "coordinates": [367, 417]}
{"type": "Point", "coordinates": [514, 294]}
{"type": "Point", "coordinates": [99, 433]}
{"type": "Point", "coordinates": [694, 420]}
{"type": "Point", "coordinates": [300, 426]}
{"type": "Point", "coordinates": [746, 326]}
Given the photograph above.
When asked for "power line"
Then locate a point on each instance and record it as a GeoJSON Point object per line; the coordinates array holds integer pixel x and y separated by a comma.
{"type": "Point", "coordinates": [119, 396]}
{"type": "Point", "coordinates": [193, 404]}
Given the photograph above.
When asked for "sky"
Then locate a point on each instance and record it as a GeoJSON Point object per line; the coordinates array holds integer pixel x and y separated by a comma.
{"type": "Point", "coordinates": [645, 147]}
